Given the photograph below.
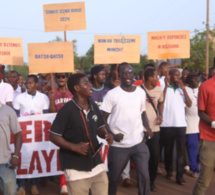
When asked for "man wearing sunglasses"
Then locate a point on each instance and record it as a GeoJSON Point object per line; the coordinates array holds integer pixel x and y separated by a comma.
{"type": "Point", "coordinates": [61, 95]}
{"type": "Point", "coordinates": [58, 98]}
{"type": "Point", "coordinates": [124, 113]}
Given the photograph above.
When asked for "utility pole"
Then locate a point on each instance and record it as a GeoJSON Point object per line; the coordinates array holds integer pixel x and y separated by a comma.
{"type": "Point", "coordinates": [207, 39]}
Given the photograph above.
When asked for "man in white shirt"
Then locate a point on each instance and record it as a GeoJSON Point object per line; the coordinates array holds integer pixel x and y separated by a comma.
{"type": "Point", "coordinates": [13, 78]}
{"type": "Point", "coordinates": [32, 101]}
{"type": "Point", "coordinates": [29, 103]}
{"type": "Point", "coordinates": [6, 91]}
{"type": "Point", "coordinates": [174, 124]}
{"type": "Point", "coordinates": [125, 107]}
{"type": "Point", "coordinates": [192, 118]}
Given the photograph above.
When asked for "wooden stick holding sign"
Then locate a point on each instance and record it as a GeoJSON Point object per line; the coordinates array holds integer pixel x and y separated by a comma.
{"type": "Point", "coordinates": [52, 75]}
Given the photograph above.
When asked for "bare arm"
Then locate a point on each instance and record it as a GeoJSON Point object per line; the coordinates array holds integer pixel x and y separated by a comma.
{"type": "Point", "coordinates": [160, 108]}
{"type": "Point", "coordinates": [17, 145]}
{"type": "Point", "coordinates": [203, 116]}
{"type": "Point", "coordinates": [52, 107]}
{"type": "Point", "coordinates": [146, 124]}
{"type": "Point", "coordinates": [188, 101]}
{"type": "Point", "coordinates": [9, 103]}
{"type": "Point", "coordinates": [81, 148]}
{"type": "Point", "coordinates": [117, 137]}
{"type": "Point", "coordinates": [102, 133]}
{"type": "Point", "coordinates": [160, 113]}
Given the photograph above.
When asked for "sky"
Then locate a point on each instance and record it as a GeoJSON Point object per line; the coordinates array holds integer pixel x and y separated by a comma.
{"type": "Point", "coordinates": [24, 19]}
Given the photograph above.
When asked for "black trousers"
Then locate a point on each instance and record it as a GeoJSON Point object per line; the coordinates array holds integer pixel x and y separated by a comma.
{"type": "Point", "coordinates": [153, 145]}
{"type": "Point", "coordinates": [117, 160]}
{"type": "Point", "coordinates": [168, 137]}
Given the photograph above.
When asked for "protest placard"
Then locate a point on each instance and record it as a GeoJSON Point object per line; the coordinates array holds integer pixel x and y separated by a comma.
{"type": "Point", "coordinates": [51, 57]}
{"type": "Point", "coordinates": [169, 44]}
{"type": "Point", "coordinates": [11, 51]}
{"type": "Point", "coordinates": [39, 157]}
{"type": "Point", "coordinates": [64, 16]}
{"type": "Point", "coordinates": [115, 49]}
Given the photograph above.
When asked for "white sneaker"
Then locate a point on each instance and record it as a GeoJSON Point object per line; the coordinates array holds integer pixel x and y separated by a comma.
{"type": "Point", "coordinates": [187, 168]}
{"type": "Point", "coordinates": [64, 190]}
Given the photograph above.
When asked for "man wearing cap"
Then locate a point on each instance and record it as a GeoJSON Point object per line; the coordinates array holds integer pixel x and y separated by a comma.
{"type": "Point", "coordinates": [6, 90]}
{"type": "Point", "coordinates": [98, 78]}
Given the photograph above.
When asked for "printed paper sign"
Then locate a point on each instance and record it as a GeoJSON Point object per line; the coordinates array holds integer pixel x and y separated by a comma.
{"type": "Point", "coordinates": [168, 44]}
{"type": "Point", "coordinates": [39, 157]}
{"type": "Point", "coordinates": [115, 49]}
{"type": "Point", "coordinates": [51, 57]}
{"type": "Point", "coordinates": [11, 51]}
{"type": "Point", "coordinates": [64, 17]}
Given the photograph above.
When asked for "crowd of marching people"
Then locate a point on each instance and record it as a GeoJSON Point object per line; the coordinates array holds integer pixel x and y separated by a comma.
{"type": "Point", "coordinates": [142, 119]}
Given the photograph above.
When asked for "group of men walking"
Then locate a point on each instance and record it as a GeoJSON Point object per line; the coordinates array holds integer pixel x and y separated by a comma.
{"type": "Point", "coordinates": [135, 122]}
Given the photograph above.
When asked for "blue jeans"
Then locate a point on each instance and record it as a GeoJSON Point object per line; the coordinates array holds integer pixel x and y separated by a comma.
{"type": "Point", "coordinates": [33, 181]}
{"type": "Point", "coordinates": [192, 150]}
{"type": "Point", "coordinates": [7, 180]}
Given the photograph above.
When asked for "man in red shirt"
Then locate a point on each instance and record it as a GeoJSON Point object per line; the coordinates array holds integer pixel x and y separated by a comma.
{"type": "Point", "coordinates": [206, 110]}
{"type": "Point", "coordinates": [57, 100]}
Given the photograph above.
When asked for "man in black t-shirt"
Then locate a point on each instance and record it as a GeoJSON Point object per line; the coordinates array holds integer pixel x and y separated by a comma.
{"type": "Point", "coordinates": [74, 130]}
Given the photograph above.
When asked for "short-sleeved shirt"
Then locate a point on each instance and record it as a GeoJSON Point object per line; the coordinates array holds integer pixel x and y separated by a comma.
{"type": "Point", "coordinates": [6, 93]}
{"type": "Point", "coordinates": [8, 124]}
{"type": "Point", "coordinates": [156, 96]}
{"type": "Point", "coordinates": [31, 104]}
{"type": "Point", "coordinates": [70, 125]}
{"type": "Point", "coordinates": [125, 117]}
{"type": "Point", "coordinates": [192, 117]}
{"type": "Point", "coordinates": [17, 92]}
{"type": "Point", "coordinates": [61, 98]}
{"type": "Point", "coordinates": [98, 95]}
{"type": "Point", "coordinates": [174, 108]}
{"type": "Point", "coordinates": [206, 103]}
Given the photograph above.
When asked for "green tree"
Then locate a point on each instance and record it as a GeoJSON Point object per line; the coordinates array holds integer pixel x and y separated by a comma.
{"type": "Point", "coordinates": [197, 58]}
{"type": "Point", "coordinates": [22, 70]}
{"type": "Point", "coordinates": [87, 61]}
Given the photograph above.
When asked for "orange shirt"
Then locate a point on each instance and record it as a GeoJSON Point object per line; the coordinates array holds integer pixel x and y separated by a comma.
{"type": "Point", "coordinates": [206, 103]}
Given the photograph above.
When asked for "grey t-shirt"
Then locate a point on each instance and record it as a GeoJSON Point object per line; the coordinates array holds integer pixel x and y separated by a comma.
{"type": "Point", "coordinates": [8, 124]}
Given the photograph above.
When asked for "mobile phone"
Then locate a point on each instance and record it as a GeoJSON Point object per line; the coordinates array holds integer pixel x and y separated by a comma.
{"type": "Point", "coordinates": [97, 150]}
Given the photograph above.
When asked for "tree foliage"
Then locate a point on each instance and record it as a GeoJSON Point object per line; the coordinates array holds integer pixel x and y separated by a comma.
{"type": "Point", "coordinates": [22, 70]}
{"type": "Point", "coordinates": [197, 58]}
